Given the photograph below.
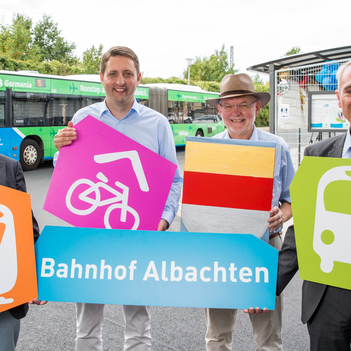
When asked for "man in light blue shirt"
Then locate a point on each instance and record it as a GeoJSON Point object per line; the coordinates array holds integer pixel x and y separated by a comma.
{"type": "Point", "coordinates": [120, 75]}
{"type": "Point", "coordinates": [239, 106]}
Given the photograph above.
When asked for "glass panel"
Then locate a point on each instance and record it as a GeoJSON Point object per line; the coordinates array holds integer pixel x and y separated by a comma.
{"type": "Point", "coordinates": [144, 102]}
{"type": "Point", "coordinates": [29, 109]}
{"type": "Point", "coordinates": [186, 112]}
{"type": "Point", "coordinates": [2, 108]}
{"type": "Point", "coordinates": [61, 110]}
{"type": "Point", "coordinates": [91, 100]}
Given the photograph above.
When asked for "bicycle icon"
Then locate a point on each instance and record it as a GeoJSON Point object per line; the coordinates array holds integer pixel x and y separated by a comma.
{"type": "Point", "coordinates": [118, 200]}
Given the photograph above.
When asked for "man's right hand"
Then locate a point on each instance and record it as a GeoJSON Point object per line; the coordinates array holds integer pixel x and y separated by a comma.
{"type": "Point", "coordinates": [65, 136]}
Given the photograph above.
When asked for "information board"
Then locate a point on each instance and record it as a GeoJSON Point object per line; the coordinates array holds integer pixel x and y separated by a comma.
{"type": "Point", "coordinates": [324, 114]}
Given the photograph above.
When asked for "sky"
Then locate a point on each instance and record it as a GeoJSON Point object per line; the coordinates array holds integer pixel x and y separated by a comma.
{"type": "Point", "coordinates": [163, 33]}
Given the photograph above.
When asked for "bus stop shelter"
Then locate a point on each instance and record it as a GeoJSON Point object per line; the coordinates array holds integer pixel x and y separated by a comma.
{"type": "Point", "coordinates": [296, 84]}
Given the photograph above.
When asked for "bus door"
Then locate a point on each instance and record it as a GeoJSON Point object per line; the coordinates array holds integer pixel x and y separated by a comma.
{"type": "Point", "coordinates": [5, 148]}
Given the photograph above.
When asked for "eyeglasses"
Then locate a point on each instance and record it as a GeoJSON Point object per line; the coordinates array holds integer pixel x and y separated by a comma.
{"type": "Point", "coordinates": [241, 107]}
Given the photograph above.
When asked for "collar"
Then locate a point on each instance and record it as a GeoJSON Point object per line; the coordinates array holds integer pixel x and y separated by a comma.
{"type": "Point", "coordinates": [254, 135]}
{"type": "Point", "coordinates": [347, 143]}
{"type": "Point", "coordinates": [135, 108]}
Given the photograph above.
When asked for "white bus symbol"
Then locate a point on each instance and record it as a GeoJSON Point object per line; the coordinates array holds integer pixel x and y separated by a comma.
{"type": "Point", "coordinates": [332, 230]}
{"type": "Point", "coordinates": [119, 200]}
{"type": "Point", "coordinates": [8, 254]}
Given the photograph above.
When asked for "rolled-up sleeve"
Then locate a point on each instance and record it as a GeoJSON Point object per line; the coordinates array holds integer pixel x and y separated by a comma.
{"type": "Point", "coordinates": [287, 173]}
{"type": "Point", "coordinates": [168, 151]}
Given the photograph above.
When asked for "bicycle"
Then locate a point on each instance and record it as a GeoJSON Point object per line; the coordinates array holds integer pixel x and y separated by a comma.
{"type": "Point", "coordinates": [119, 200]}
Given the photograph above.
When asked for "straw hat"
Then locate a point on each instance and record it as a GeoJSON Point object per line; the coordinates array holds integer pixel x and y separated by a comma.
{"type": "Point", "coordinates": [234, 85]}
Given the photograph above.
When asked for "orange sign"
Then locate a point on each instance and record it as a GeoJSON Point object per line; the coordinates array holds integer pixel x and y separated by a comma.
{"type": "Point", "coordinates": [18, 280]}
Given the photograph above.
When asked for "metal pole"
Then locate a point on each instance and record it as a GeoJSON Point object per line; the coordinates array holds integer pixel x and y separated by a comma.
{"type": "Point", "coordinates": [189, 61]}
{"type": "Point", "coordinates": [272, 107]}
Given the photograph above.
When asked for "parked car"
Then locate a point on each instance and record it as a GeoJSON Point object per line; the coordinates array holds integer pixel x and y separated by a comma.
{"type": "Point", "coordinates": [208, 119]}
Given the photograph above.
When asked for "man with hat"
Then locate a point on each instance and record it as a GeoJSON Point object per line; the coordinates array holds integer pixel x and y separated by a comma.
{"type": "Point", "coordinates": [239, 106]}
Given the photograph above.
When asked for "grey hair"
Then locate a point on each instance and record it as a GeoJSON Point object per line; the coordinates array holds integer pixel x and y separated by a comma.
{"type": "Point", "coordinates": [340, 72]}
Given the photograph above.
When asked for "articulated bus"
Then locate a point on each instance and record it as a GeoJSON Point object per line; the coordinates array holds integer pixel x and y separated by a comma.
{"type": "Point", "coordinates": [33, 107]}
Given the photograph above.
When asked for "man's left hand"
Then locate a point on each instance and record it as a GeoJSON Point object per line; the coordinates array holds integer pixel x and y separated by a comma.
{"type": "Point", "coordinates": [163, 225]}
{"type": "Point", "coordinates": [278, 216]}
{"type": "Point", "coordinates": [276, 219]}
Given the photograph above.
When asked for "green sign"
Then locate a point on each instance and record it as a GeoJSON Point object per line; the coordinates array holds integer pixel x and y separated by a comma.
{"type": "Point", "coordinates": [24, 84]}
{"type": "Point", "coordinates": [142, 93]}
{"type": "Point", "coordinates": [188, 96]}
{"type": "Point", "coordinates": [58, 86]}
{"type": "Point", "coordinates": [320, 195]}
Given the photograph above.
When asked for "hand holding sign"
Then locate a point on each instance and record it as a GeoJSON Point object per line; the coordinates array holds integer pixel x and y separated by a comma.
{"type": "Point", "coordinates": [65, 136]}
{"type": "Point", "coordinates": [117, 184]}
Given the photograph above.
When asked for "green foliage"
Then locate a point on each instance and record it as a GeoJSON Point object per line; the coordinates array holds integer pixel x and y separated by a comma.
{"type": "Point", "coordinates": [40, 49]}
{"type": "Point", "coordinates": [45, 67]}
{"type": "Point", "coordinates": [293, 51]}
{"type": "Point", "coordinates": [212, 68]}
{"type": "Point", "coordinates": [208, 86]}
{"type": "Point", "coordinates": [52, 46]}
{"type": "Point", "coordinates": [173, 80]}
{"type": "Point", "coordinates": [15, 40]}
{"type": "Point", "coordinates": [257, 80]}
{"type": "Point", "coordinates": [262, 120]}
{"type": "Point", "coordinates": [91, 59]}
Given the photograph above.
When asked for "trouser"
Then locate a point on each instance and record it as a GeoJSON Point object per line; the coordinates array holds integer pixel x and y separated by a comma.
{"type": "Point", "coordinates": [266, 327]}
{"type": "Point", "coordinates": [330, 326]}
{"type": "Point", "coordinates": [9, 331]}
{"type": "Point", "coordinates": [90, 318]}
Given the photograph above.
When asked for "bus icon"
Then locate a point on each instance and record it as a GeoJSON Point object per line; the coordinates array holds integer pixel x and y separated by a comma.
{"type": "Point", "coordinates": [332, 237]}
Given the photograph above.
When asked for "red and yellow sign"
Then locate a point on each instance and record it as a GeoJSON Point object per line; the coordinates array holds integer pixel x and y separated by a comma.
{"type": "Point", "coordinates": [228, 186]}
{"type": "Point", "coordinates": [18, 281]}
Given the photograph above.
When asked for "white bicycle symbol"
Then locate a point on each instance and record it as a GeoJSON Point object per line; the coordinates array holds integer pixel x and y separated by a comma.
{"type": "Point", "coordinates": [119, 199]}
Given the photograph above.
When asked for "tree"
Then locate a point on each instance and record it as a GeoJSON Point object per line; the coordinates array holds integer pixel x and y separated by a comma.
{"type": "Point", "coordinates": [16, 39]}
{"type": "Point", "coordinates": [262, 120]}
{"type": "Point", "coordinates": [50, 44]}
{"type": "Point", "coordinates": [213, 68]}
{"type": "Point", "coordinates": [294, 50]}
{"type": "Point", "coordinates": [91, 59]}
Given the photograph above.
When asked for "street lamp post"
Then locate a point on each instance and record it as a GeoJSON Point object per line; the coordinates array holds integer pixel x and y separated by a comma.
{"type": "Point", "coordinates": [189, 61]}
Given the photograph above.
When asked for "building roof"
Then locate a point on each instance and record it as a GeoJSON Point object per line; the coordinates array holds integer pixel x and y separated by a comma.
{"type": "Point", "coordinates": [310, 58]}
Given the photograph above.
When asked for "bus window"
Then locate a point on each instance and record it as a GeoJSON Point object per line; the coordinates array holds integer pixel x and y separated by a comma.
{"type": "Point", "coordinates": [143, 102]}
{"type": "Point", "coordinates": [181, 110]}
{"type": "Point", "coordinates": [2, 108]}
{"type": "Point", "coordinates": [29, 109]}
{"type": "Point", "coordinates": [61, 110]}
{"type": "Point", "coordinates": [89, 100]}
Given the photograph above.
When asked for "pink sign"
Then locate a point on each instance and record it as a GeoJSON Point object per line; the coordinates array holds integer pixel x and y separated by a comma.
{"type": "Point", "coordinates": [106, 180]}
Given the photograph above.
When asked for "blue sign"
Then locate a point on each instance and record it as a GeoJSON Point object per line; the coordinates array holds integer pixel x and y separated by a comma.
{"type": "Point", "coordinates": [155, 268]}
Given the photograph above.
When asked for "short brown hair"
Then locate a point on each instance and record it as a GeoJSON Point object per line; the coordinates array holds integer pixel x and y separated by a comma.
{"type": "Point", "coordinates": [119, 51]}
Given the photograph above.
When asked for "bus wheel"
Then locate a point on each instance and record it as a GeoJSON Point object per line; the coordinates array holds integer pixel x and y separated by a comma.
{"type": "Point", "coordinates": [30, 154]}
{"type": "Point", "coordinates": [199, 133]}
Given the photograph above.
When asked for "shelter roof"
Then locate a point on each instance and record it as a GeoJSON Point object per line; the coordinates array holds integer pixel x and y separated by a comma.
{"type": "Point", "coordinates": [309, 58]}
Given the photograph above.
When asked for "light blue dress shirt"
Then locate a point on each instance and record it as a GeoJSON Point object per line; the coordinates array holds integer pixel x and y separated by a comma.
{"type": "Point", "coordinates": [284, 171]}
{"type": "Point", "coordinates": [346, 152]}
{"type": "Point", "coordinates": [150, 129]}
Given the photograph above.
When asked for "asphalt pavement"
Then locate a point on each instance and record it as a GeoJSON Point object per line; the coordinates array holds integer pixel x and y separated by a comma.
{"type": "Point", "coordinates": [52, 327]}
